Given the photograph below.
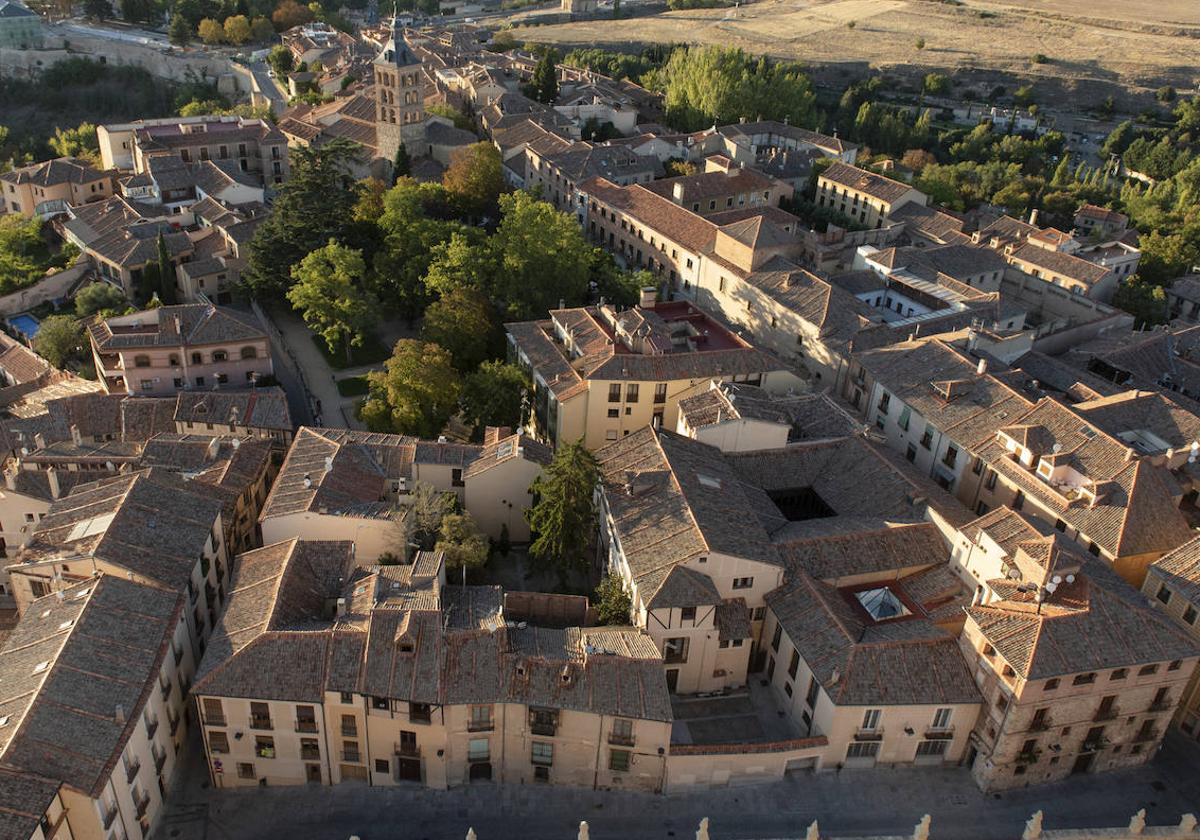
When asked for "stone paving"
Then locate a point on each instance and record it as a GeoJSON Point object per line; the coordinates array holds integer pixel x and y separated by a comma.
{"type": "Point", "coordinates": [849, 802]}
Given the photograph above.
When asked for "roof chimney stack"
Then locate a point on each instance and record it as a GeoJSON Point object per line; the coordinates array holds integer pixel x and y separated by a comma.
{"type": "Point", "coordinates": [648, 297]}
{"type": "Point", "coordinates": [981, 368]}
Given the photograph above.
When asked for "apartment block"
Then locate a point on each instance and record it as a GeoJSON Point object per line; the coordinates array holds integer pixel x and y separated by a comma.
{"type": "Point", "coordinates": [700, 537]}
{"type": "Point", "coordinates": [173, 348]}
{"type": "Point", "coordinates": [600, 374]}
{"type": "Point", "coordinates": [863, 196]}
{"type": "Point", "coordinates": [44, 189]}
{"type": "Point", "coordinates": [98, 675]}
{"type": "Point", "coordinates": [395, 677]}
{"type": "Point", "coordinates": [252, 145]}
{"type": "Point", "coordinates": [1173, 584]}
{"type": "Point", "coordinates": [343, 484]}
{"type": "Point", "coordinates": [1078, 672]}
{"type": "Point", "coordinates": [735, 417]}
{"type": "Point", "coordinates": [258, 413]}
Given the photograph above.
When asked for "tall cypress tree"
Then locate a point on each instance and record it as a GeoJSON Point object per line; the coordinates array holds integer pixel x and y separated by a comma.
{"type": "Point", "coordinates": [564, 516]}
{"type": "Point", "coordinates": [402, 165]}
{"type": "Point", "coordinates": [166, 273]}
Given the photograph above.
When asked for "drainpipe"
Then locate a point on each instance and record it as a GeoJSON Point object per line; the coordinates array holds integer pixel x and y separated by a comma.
{"type": "Point", "coordinates": [599, 747]}
{"type": "Point", "coordinates": [366, 736]}
{"type": "Point", "coordinates": [328, 755]}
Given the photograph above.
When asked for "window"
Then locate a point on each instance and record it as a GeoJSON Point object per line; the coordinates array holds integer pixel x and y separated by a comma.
{"type": "Point", "coordinates": [863, 749]}
{"type": "Point", "coordinates": [794, 664]}
{"type": "Point", "coordinates": [456, 477]}
{"type": "Point", "coordinates": [245, 771]}
{"type": "Point", "coordinates": [932, 748]}
{"type": "Point", "coordinates": [614, 412]}
{"type": "Point", "coordinates": [631, 393]}
{"type": "Point", "coordinates": [990, 481]}
{"type": "Point", "coordinates": [310, 749]}
{"type": "Point", "coordinates": [218, 742]}
{"type": "Point", "coordinates": [196, 358]}
{"type": "Point", "coordinates": [743, 583]}
{"type": "Point", "coordinates": [220, 356]}
{"type": "Point", "coordinates": [1119, 674]}
{"type": "Point", "coordinates": [941, 718]}
{"type": "Point", "coordinates": [382, 765]}
{"type": "Point", "coordinates": [478, 749]}
{"type": "Point", "coordinates": [1051, 684]}
{"type": "Point", "coordinates": [542, 752]}
{"type": "Point", "coordinates": [1164, 594]}
{"type": "Point", "coordinates": [1147, 670]}
{"type": "Point", "coordinates": [951, 457]}
{"type": "Point", "coordinates": [1084, 679]}
{"type": "Point", "coordinates": [675, 650]}
{"type": "Point", "coordinates": [614, 392]}
{"type": "Point", "coordinates": [813, 690]}
{"type": "Point", "coordinates": [660, 392]}
{"type": "Point", "coordinates": [927, 437]}
{"type": "Point", "coordinates": [200, 381]}
{"type": "Point", "coordinates": [249, 353]}
{"type": "Point", "coordinates": [141, 361]}
{"type": "Point", "coordinates": [419, 712]}
{"type": "Point", "coordinates": [688, 613]}
{"type": "Point", "coordinates": [905, 417]}
{"type": "Point", "coordinates": [481, 719]}
{"type": "Point", "coordinates": [379, 703]}
{"type": "Point", "coordinates": [306, 719]}
{"type": "Point", "coordinates": [350, 726]}
{"type": "Point", "coordinates": [214, 715]}
{"type": "Point", "coordinates": [1175, 666]}
{"type": "Point", "coordinates": [618, 760]}
{"type": "Point", "coordinates": [260, 716]}
{"type": "Point", "coordinates": [1189, 615]}
{"type": "Point", "coordinates": [264, 746]}
{"type": "Point", "coordinates": [885, 402]}
{"type": "Point", "coordinates": [622, 732]}
{"type": "Point", "coordinates": [1019, 501]}
{"type": "Point", "coordinates": [775, 638]}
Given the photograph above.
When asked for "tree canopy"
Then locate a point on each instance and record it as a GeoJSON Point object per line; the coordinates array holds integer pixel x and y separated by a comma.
{"type": "Point", "coordinates": [475, 178]}
{"type": "Point", "coordinates": [464, 322]}
{"type": "Point", "coordinates": [328, 294]}
{"type": "Point", "coordinates": [464, 547]}
{"type": "Point", "coordinates": [99, 297]}
{"type": "Point", "coordinates": [497, 394]}
{"type": "Point", "coordinates": [415, 393]}
{"type": "Point", "coordinates": [59, 338]}
{"type": "Point", "coordinates": [563, 517]}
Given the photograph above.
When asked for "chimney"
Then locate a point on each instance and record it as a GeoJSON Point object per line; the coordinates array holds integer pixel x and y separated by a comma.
{"type": "Point", "coordinates": [119, 713]}
{"type": "Point", "coordinates": [39, 441]}
{"type": "Point", "coordinates": [648, 297]}
{"type": "Point", "coordinates": [1033, 214]}
{"type": "Point", "coordinates": [10, 478]}
{"type": "Point", "coordinates": [52, 477]}
{"type": "Point", "coordinates": [981, 368]}
{"type": "Point", "coordinates": [76, 437]}
{"type": "Point", "coordinates": [341, 607]}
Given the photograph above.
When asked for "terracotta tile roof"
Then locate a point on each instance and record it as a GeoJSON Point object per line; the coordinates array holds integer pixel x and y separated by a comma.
{"type": "Point", "coordinates": [808, 416]}
{"type": "Point", "coordinates": [1096, 622]}
{"type": "Point", "coordinates": [261, 408]}
{"type": "Point", "coordinates": [733, 620]}
{"type": "Point", "coordinates": [685, 587]}
{"type": "Point", "coordinates": [50, 173]}
{"type": "Point", "coordinates": [189, 324]}
{"type": "Point", "coordinates": [859, 662]}
{"type": "Point", "coordinates": [24, 797]}
{"type": "Point", "coordinates": [20, 363]}
{"type": "Point", "coordinates": [1180, 569]}
{"type": "Point", "coordinates": [868, 183]}
{"type": "Point", "coordinates": [892, 548]}
{"type": "Point", "coordinates": [1134, 411]}
{"type": "Point", "coordinates": [834, 312]}
{"type": "Point", "coordinates": [1056, 262]}
{"type": "Point", "coordinates": [76, 674]}
{"type": "Point", "coordinates": [689, 229]}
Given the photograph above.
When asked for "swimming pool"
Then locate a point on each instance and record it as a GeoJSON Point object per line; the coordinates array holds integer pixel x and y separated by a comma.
{"type": "Point", "coordinates": [25, 324]}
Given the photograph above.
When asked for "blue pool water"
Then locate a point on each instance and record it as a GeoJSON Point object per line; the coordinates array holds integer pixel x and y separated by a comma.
{"type": "Point", "coordinates": [26, 324]}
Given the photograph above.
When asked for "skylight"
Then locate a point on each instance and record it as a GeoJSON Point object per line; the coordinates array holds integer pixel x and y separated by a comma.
{"type": "Point", "coordinates": [708, 481]}
{"type": "Point", "coordinates": [40, 667]}
{"type": "Point", "coordinates": [504, 450]}
{"type": "Point", "coordinates": [882, 603]}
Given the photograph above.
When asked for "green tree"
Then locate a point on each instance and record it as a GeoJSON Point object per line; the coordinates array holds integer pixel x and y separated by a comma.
{"type": "Point", "coordinates": [261, 30]}
{"type": "Point", "coordinates": [424, 514]}
{"type": "Point", "coordinates": [98, 9]}
{"type": "Point", "coordinates": [237, 29]}
{"type": "Point", "coordinates": [936, 84]}
{"type": "Point", "coordinates": [475, 178]}
{"type": "Point", "coordinates": [80, 142]}
{"type": "Point", "coordinates": [463, 321]}
{"type": "Point", "coordinates": [545, 78]}
{"type": "Point", "coordinates": [166, 272]}
{"type": "Point", "coordinates": [289, 13]}
{"type": "Point", "coordinates": [540, 256]}
{"type": "Point", "coordinates": [314, 205]}
{"type": "Point", "coordinates": [615, 286]}
{"type": "Point", "coordinates": [451, 113]}
{"type": "Point", "coordinates": [20, 242]}
{"type": "Point", "coordinates": [179, 32]}
{"type": "Point", "coordinates": [59, 339]}
{"type": "Point", "coordinates": [415, 393]}
{"type": "Point", "coordinates": [281, 61]}
{"type": "Point", "coordinates": [465, 260]}
{"type": "Point", "coordinates": [402, 165]}
{"type": "Point", "coordinates": [497, 394]}
{"type": "Point", "coordinates": [211, 32]}
{"type": "Point", "coordinates": [1146, 302]}
{"type": "Point", "coordinates": [463, 546]}
{"type": "Point", "coordinates": [328, 294]}
{"type": "Point", "coordinates": [563, 516]}
{"type": "Point", "coordinates": [613, 604]}
{"type": "Point", "coordinates": [98, 297]}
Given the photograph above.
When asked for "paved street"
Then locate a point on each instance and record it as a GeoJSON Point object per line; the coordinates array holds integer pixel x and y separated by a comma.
{"type": "Point", "coordinates": [850, 802]}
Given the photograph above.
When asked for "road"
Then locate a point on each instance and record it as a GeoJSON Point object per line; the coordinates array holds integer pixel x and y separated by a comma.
{"type": "Point", "coordinates": [267, 86]}
{"type": "Point", "coordinates": [130, 36]}
{"type": "Point", "coordinates": [854, 802]}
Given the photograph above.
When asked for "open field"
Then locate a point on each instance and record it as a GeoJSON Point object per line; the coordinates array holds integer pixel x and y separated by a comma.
{"type": "Point", "coordinates": [1133, 43]}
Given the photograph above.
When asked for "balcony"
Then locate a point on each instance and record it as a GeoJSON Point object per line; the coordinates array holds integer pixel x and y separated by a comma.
{"type": "Point", "coordinates": [257, 722]}
{"type": "Point", "coordinates": [1029, 757]}
{"type": "Point", "coordinates": [165, 689]}
{"type": "Point", "coordinates": [151, 727]}
{"type": "Point", "coordinates": [1145, 735]}
{"type": "Point", "coordinates": [619, 740]}
{"type": "Point", "coordinates": [131, 770]}
{"type": "Point", "coordinates": [408, 750]}
{"type": "Point", "coordinates": [173, 723]}
{"type": "Point", "coordinates": [310, 753]}
{"type": "Point", "coordinates": [1160, 705]}
{"type": "Point", "coordinates": [1040, 724]}
{"type": "Point", "coordinates": [159, 761]}
{"type": "Point", "coordinates": [868, 735]}
{"type": "Point", "coordinates": [349, 731]}
{"type": "Point", "coordinates": [1105, 714]}
{"type": "Point", "coordinates": [306, 726]}
{"type": "Point", "coordinates": [939, 733]}
{"type": "Point", "coordinates": [352, 756]}
{"type": "Point", "coordinates": [546, 729]}
{"type": "Point", "coordinates": [142, 805]}
{"type": "Point", "coordinates": [481, 726]}
{"type": "Point", "coordinates": [109, 816]}
{"type": "Point", "coordinates": [178, 655]}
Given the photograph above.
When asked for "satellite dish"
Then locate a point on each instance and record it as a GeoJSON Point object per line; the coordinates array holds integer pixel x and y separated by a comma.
{"type": "Point", "coordinates": [1056, 448]}
{"type": "Point", "coordinates": [1050, 587]}
{"type": "Point", "coordinates": [1070, 578]}
{"type": "Point", "coordinates": [1057, 579]}
{"type": "Point", "coordinates": [1014, 573]}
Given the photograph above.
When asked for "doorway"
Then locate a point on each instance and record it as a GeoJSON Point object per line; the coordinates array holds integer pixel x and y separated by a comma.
{"type": "Point", "coordinates": [408, 769]}
{"type": "Point", "coordinates": [672, 679]}
{"type": "Point", "coordinates": [1083, 763]}
{"type": "Point", "coordinates": [481, 772]}
{"type": "Point", "coordinates": [312, 773]}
